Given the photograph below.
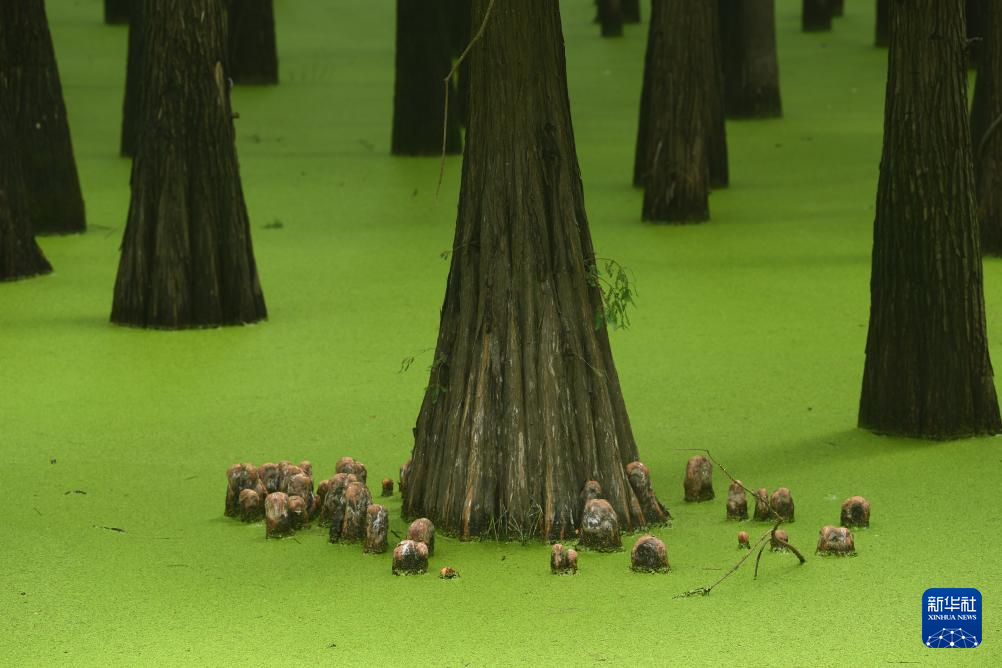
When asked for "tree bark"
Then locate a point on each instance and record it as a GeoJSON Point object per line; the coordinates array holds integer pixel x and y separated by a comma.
{"type": "Point", "coordinates": [682, 93]}
{"type": "Point", "coordinates": [883, 23]}
{"type": "Point", "coordinates": [55, 203]}
{"type": "Point", "coordinates": [928, 372]}
{"type": "Point", "coordinates": [986, 117]}
{"type": "Point", "coordinates": [751, 68]}
{"type": "Point", "coordinates": [717, 137]}
{"type": "Point", "coordinates": [631, 11]}
{"type": "Point", "coordinates": [838, 7]}
{"type": "Point", "coordinates": [422, 62]}
{"type": "Point", "coordinates": [253, 52]}
{"type": "Point", "coordinates": [117, 11]}
{"type": "Point", "coordinates": [132, 104]}
{"type": "Point", "coordinates": [187, 259]}
{"type": "Point", "coordinates": [524, 404]}
{"type": "Point", "coordinates": [610, 16]}
{"type": "Point", "coordinates": [816, 15]}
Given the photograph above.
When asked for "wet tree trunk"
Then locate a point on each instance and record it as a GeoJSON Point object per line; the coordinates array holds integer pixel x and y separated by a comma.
{"type": "Point", "coordinates": [132, 104]}
{"type": "Point", "coordinates": [682, 93]}
{"type": "Point", "coordinates": [41, 131]}
{"type": "Point", "coordinates": [986, 139]}
{"type": "Point", "coordinates": [817, 15]}
{"type": "Point", "coordinates": [424, 58]}
{"type": "Point", "coordinates": [187, 259]}
{"type": "Point", "coordinates": [927, 371]}
{"type": "Point", "coordinates": [883, 23]}
{"type": "Point", "coordinates": [253, 52]}
{"type": "Point", "coordinates": [610, 16]}
{"type": "Point", "coordinates": [20, 256]}
{"type": "Point", "coordinates": [524, 404]}
{"type": "Point", "coordinates": [640, 158]}
{"type": "Point", "coordinates": [751, 69]}
{"type": "Point", "coordinates": [631, 11]}
{"type": "Point", "coordinates": [116, 11]}
{"type": "Point", "coordinates": [717, 137]}
{"type": "Point", "coordinates": [976, 28]}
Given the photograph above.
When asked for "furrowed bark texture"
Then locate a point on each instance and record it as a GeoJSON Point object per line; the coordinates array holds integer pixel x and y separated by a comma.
{"type": "Point", "coordinates": [610, 16]}
{"type": "Point", "coordinates": [816, 15]}
{"type": "Point", "coordinates": [132, 104]}
{"type": "Point", "coordinates": [883, 23]}
{"type": "Point", "coordinates": [524, 404]}
{"type": "Point", "coordinates": [253, 53]}
{"type": "Point", "coordinates": [187, 259]}
{"type": "Point", "coordinates": [20, 256]}
{"type": "Point", "coordinates": [927, 371]}
{"type": "Point", "coordinates": [631, 11]}
{"type": "Point", "coordinates": [751, 69]}
{"type": "Point", "coordinates": [423, 60]}
{"type": "Point", "coordinates": [41, 131]}
{"type": "Point", "coordinates": [986, 139]}
{"type": "Point", "coordinates": [682, 90]}
{"type": "Point", "coordinates": [117, 11]}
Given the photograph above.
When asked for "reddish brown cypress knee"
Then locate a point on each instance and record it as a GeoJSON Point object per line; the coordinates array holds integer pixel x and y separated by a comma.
{"type": "Point", "coordinates": [855, 512]}
{"type": "Point", "coordinates": [762, 511]}
{"type": "Point", "coordinates": [423, 531]}
{"type": "Point", "coordinates": [778, 540]}
{"type": "Point", "coordinates": [238, 478]}
{"type": "Point", "coordinates": [640, 480]}
{"type": "Point", "coordinates": [404, 473]}
{"type": "Point", "coordinates": [276, 515]}
{"type": "Point", "coordinates": [834, 540]}
{"type": "Point", "coordinates": [782, 504]}
{"type": "Point", "coordinates": [591, 490]}
{"type": "Point", "coordinates": [448, 573]}
{"type": "Point", "coordinates": [649, 555]}
{"type": "Point", "coordinates": [387, 487]}
{"type": "Point", "coordinates": [377, 524]}
{"type": "Point", "coordinates": [563, 560]}
{"type": "Point", "coordinates": [600, 527]}
{"type": "Point", "coordinates": [743, 542]}
{"type": "Point", "coordinates": [349, 465]}
{"type": "Point", "coordinates": [357, 500]}
{"type": "Point", "coordinates": [301, 485]}
{"type": "Point", "coordinates": [270, 477]}
{"type": "Point", "coordinates": [333, 511]}
{"type": "Point", "coordinates": [251, 506]}
{"type": "Point", "coordinates": [698, 479]}
{"type": "Point", "coordinates": [737, 502]}
{"type": "Point", "coordinates": [410, 558]}
{"type": "Point", "coordinates": [299, 514]}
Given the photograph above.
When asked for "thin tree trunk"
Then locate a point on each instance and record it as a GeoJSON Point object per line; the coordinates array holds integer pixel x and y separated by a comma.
{"type": "Point", "coordinates": [631, 11]}
{"type": "Point", "coordinates": [132, 104]}
{"type": "Point", "coordinates": [422, 62]}
{"type": "Point", "coordinates": [751, 68]}
{"type": "Point", "coordinates": [610, 16]}
{"type": "Point", "coordinates": [640, 159]}
{"type": "Point", "coordinates": [883, 23]}
{"type": "Point", "coordinates": [927, 372]}
{"type": "Point", "coordinates": [986, 139]}
{"type": "Point", "coordinates": [41, 130]}
{"type": "Point", "coordinates": [682, 88]}
{"type": "Point", "coordinates": [253, 52]}
{"type": "Point", "coordinates": [115, 11]}
{"type": "Point", "coordinates": [187, 259]}
{"type": "Point", "coordinates": [816, 15]}
{"type": "Point", "coordinates": [524, 404]}
{"type": "Point", "coordinates": [717, 137]}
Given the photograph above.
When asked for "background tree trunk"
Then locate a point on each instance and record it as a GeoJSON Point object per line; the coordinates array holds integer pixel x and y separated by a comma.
{"type": "Point", "coordinates": [816, 15]}
{"type": "Point", "coordinates": [132, 104]}
{"type": "Point", "coordinates": [751, 68]}
{"type": "Point", "coordinates": [41, 131]}
{"type": "Point", "coordinates": [631, 11]}
{"type": "Point", "coordinates": [459, 34]}
{"type": "Point", "coordinates": [838, 7]}
{"type": "Point", "coordinates": [976, 28]}
{"type": "Point", "coordinates": [610, 16]}
{"type": "Point", "coordinates": [524, 404]}
{"type": "Point", "coordinates": [423, 59]}
{"type": "Point", "coordinates": [927, 371]}
{"type": "Point", "coordinates": [883, 23]}
{"type": "Point", "coordinates": [115, 11]}
{"type": "Point", "coordinates": [253, 53]}
{"type": "Point", "coordinates": [717, 136]}
{"type": "Point", "coordinates": [682, 88]}
{"type": "Point", "coordinates": [986, 139]}
{"type": "Point", "coordinates": [186, 258]}
{"type": "Point", "coordinates": [640, 158]}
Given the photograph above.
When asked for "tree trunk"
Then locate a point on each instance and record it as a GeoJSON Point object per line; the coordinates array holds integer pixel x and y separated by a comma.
{"type": "Point", "coordinates": [132, 104]}
{"type": "Point", "coordinates": [986, 117]}
{"type": "Point", "coordinates": [682, 89]}
{"type": "Point", "coordinates": [751, 69]}
{"type": "Point", "coordinates": [459, 34]}
{"type": "Point", "coordinates": [883, 23]}
{"type": "Point", "coordinates": [55, 204]}
{"type": "Point", "coordinates": [187, 259]}
{"type": "Point", "coordinates": [631, 11]}
{"type": "Point", "coordinates": [20, 256]}
{"type": "Point", "coordinates": [524, 404]}
{"type": "Point", "coordinates": [927, 371]}
{"type": "Point", "coordinates": [816, 15]}
{"type": "Point", "coordinates": [975, 28]}
{"type": "Point", "coordinates": [116, 11]}
{"type": "Point", "coordinates": [717, 136]}
{"type": "Point", "coordinates": [838, 7]}
{"type": "Point", "coordinates": [253, 53]}
{"type": "Point", "coordinates": [640, 158]}
{"type": "Point", "coordinates": [610, 16]}
{"type": "Point", "coordinates": [423, 60]}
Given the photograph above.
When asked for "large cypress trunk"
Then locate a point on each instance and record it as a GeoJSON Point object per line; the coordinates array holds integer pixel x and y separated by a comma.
{"type": "Point", "coordinates": [524, 404]}
{"type": "Point", "coordinates": [116, 11]}
{"type": "Point", "coordinates": [253, 52]}
{"type": "Point", "coordinates": [816, 15]}
{"type": "Point", "coordinates": [187, 259]}
{"type": "Point", "coordinates": [132, 103]}
{"type": "Point", "coordinates": [610, 17]}
{"type": "Point", "coordinates": [20, 256]}
{"type": "Point", "coordinates": [883, 23]}
{"type": "Point", "coordinates": [986, 138]}
{"type": "Point", "coordinates": [681, 96]}
{"type": "Point", "coordinates": [41, 131]}
{"type": "Point", "coordinates": [424, 58]}
{"type": "Point", "coordinates": [751, 68]}
{"type": "Point", "coordinates": [927, 371]}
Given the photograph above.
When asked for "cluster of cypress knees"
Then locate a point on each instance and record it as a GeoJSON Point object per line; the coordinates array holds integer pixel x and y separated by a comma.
{"type": "Point", "coordinates": [283, 494]}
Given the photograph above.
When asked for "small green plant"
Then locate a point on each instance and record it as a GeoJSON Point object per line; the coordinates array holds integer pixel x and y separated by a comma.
{"type": "Point", "coordinates": [618, 287]}
{"type": "Point", "coordinates": [436, 389]}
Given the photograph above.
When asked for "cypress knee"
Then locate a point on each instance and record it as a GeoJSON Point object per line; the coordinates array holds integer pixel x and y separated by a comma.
{"type": "Point", "coordinates": [751, 68]}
